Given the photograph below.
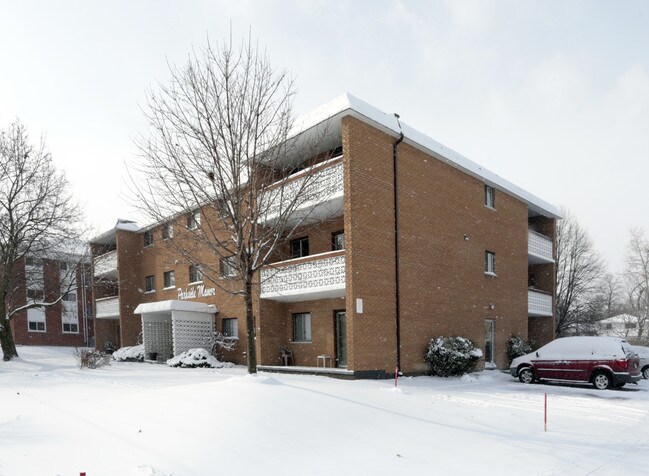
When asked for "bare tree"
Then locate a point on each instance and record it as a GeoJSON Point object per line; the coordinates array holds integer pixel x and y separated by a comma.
{"type": "Point", "coordinates": [37, 220]}
{"type": "Point", "coordinates": [221, 145]}
{"type": "Point", "coordinates": [637, 279]}
{"type": "Point", "coordinates": [580, 278]}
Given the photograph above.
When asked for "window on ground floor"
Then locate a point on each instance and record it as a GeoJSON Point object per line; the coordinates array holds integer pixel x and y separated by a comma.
{"type": "Point", "coordinates": [36, 320]}
{"type": "Point", "coordinates": [36, 326]}
{"type": "Point", "coordinates": [230, 327]}
{"type": "Point", "coordinates": [489, 340]}
{"type": "Point", "coordinates": [302, 327]}
{"type": "Point", "coordinates": [70, 328]}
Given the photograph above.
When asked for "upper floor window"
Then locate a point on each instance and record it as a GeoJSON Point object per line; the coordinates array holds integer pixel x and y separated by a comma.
{"type": "Point", "coordinates": [148, 238]}
{"type": "Point", "coordinates": [167, 231]}
{"type": "Point", "coordinates": [194, 219]}
{"type": "Point", "coordinates": [32, 261]}
{"type": "Point", "coordinates": [300, 247]}
{"type": "Point", "coordinates": [490, 263]}
{"type": "Point", "coordinates": [63, 265]}
{"type": "Point", "coordinates": [338, 241]}
{"type": "Point", "coordinates": [169, 279]}
{"type": "Point", "coordinates": [230, 327]}
{"type": "Point", "coordinates": [35, 294]}
{"type": "Point", "coordinates": [149, 284]}
{"type": "Point", "coordinates": [70, 328]}
{"type": "Point", "coordinates": [70, 297]}
{"type": "Point", "coordinates": [228, 266]}
{"type": "Point", "coordinates": [489, 196]}
{"type": "Point", "coordinates": [195, 274]}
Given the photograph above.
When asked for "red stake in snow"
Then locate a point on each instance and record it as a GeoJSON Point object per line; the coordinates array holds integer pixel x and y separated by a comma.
{"type": "Point", "coordinates": [396, 376]}
{"type": "Point", "coordinates": [545, 414]}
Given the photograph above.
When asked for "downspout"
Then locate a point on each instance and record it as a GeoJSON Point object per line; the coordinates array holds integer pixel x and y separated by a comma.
{"type": "Point", "coordinates": [396, 243]}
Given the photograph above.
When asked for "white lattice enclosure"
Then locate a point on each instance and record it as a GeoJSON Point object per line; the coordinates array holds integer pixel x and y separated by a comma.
{"type": "Point", "coordinates": [539, 304]}
{"type": "Point", "coordinates": [539, 248]}
{"type": "Point", "coordinates": [172, 327]}
{"type": "Point", "coordinates": [321, 276]}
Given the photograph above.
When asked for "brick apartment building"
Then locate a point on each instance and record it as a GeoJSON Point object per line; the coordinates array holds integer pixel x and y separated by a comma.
{"type": "Point", "coordinates": [68, 322]}
{"type": "Point", "coordinates": [364, 287]}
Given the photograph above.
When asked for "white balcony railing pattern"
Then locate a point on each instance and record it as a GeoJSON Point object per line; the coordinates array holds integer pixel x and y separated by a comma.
{"type": "Point", "coordinates": [324, 184]}
{"type": "Point", "coordinates": [106, 263]}
{"type": "Point", "coordinates": [107, 308]}
{"type": "Point", "coordinates": [539, 247]}
{"type": "Point", "coordinates": [315, 277]}
{"type": "Point", "coordinates": [539, 304]}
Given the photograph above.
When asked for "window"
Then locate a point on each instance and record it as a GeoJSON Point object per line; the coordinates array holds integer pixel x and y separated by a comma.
{"type": "Point", "coordinates": [32, 261]}
{"type": "Point", "coordinates": [167, 231]}
{"type": "Point", "coordinates": [170, 279]}
{"type": "Point", "coordinates": [195, 274]}
{"type": "Point", "coordinates": [490, 263]}
{"type": "Point", "coordinates": [338, 241]}
{"type": "Point", "coordinates": [149, 284]}
{"type": "Point", "coordinates": [300, 247]}
{"type": "Point", "coordinates": [228, 267]}
{"type": "Point", "coordinates": [489, 197]}
{"type": "Point", "coordinates": [36, 326]}
{"type": "Point", "coordinates": [609, 326]}
{"type": "Point", "coordinates": [230, 327]}
{"type": "Point", "coordinates": [302, 327]}
{"type": "Point", "coordinates": [630, 325]}
{"type": "Point", "coordinates": [63, 266]}
{"type": "Point", "coordinates": [194, 219]}
{"type": "Point", "coordinates": [70, 328]}
{"type": "Point", "coordinates": [35, 294]}
{"type": "Point", "coordinates": [148, 238]}
{"type": "Point", "coordinates": [70, 297]}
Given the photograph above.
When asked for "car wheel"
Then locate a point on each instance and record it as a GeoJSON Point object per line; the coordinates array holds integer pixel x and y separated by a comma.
{"type": "Point", "coordinates": [601, 381]}
{"type": "Point", "coordinates": [526, 375]}
{"type": "Point", "coordinates": [645, 372]}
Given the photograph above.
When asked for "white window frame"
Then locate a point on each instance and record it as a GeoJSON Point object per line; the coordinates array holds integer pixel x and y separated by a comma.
{"type": "Point", "coordinates": [227, 267]}
{"type": "Point", "coordinates": [231, 327]}
{"type": "Point", "coordinates": [36, 316]}
{"type": "Point", "coordinates": [490, 263]}
{"type": "Point", "coordinates": [489, 197]}
{"type": "Point", "coordinates": [302, 327]}
{"type": "Point", "coordinates": [194, 220]}
{"type": "Point", "coordinates": [63, 324]}
{"type": "Point", "coordinates": [198, 278]}
{"type": "Point", "coordinates": [146, 284]}
{"type": "Point", "coordinates": [167, 231]}
{"type": "Point", "coordinates": [147, 238]}
{"type": "Point", "coordinates": [171, 277]}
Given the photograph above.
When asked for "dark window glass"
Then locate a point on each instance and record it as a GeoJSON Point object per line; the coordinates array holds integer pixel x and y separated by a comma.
{"type": "Point", "coordinates": [338, 241]}
{"type": "Point", "coordinates": [148, 238]}
{"type": "Point", "coordinates": [302, 327]}
{"type": "Point", "coordinates": [300, 247]}
{"type": "Point", "coordinates": [230, 327]}
{"type": "Point", "coordinates": [170, 279]}
{"type": "Point", "coordinates": [195, 274]}
{"type": "Point", "coordinates": [149, 284]}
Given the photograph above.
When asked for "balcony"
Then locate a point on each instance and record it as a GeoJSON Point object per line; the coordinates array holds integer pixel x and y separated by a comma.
{"type": "Point", "coordinates": [320, 198]}
{"type": "Point", "coordinates": [107, 308]}
{"type": "Point", "coordinates": [106, 264]}
{"type": "Point", "coordinates": [539, 303]}
{"type": "Point", "coordinates": [305, 279]}
{"type": "Point", "coordinates": [539, 248]}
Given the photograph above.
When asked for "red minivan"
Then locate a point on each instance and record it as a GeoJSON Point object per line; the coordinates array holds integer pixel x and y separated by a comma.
{"type": "Point", "coordinates": [603, 361]}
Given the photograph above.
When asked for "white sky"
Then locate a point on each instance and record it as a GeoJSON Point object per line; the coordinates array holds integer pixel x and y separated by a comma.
{"type": "Point", "coordinates": [553, 96]}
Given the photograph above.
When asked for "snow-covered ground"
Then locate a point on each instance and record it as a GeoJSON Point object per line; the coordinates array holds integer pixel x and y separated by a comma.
{"type": "Point", "coordinates": [142, 419]}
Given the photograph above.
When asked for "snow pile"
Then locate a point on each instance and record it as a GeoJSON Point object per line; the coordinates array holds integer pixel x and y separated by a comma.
{"type": "Point", "coordinates": [197, 358]}
{"type": "Point", "coordinates": [448, 356]}
{"type": "Point", "coordinates": [130, 354]}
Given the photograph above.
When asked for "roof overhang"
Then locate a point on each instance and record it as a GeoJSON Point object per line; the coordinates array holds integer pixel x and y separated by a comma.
{"type": "Point", "coordinates": [174, 305]}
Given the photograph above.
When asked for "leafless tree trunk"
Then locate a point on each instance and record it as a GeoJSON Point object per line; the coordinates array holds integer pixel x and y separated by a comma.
{"type": "Point", "coordinates": [637, 279]}
{"type": "Point", "coordinates": [580, 274]}
{"type": "Point", "coordinates": [37, 219]}
{"type": "Point", "coordinates": [220, 143]}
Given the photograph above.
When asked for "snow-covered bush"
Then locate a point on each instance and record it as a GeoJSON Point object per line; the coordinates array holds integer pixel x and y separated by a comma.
{"type": "Point", "coordinates": [448, 356]}
{"type": "Point", "coordinates": [130, 354]}
{"type": "Point", "coordinates": [517, 346]}
{"type": "Point", "coordinates": [196, 358]}
{"type": "Point", "coordinates": [91, 359]}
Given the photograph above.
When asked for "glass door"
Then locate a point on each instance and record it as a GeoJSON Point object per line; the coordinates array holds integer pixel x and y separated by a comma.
{"type": "Point", "coordinates": [341, 338]}
{"type": "Point", "coordinates": [489, 341]}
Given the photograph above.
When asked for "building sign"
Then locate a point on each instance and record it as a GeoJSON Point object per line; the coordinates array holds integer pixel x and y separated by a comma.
{"type": "Point", "coordinates": [195, 292]}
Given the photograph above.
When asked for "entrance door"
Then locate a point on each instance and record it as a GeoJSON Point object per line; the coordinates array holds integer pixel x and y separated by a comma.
{"type": "Point", "coordinates": [489, 341]}
{"type": "Point", "coordinates": [341, 339]}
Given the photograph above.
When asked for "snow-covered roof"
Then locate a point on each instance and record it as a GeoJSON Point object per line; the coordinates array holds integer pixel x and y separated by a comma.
{"type": "Point", "coordinates": [326, 120]}
{"type": "Point", "coordinates": [108, 237]}
{"type": "Point", "coordinates": [173, 305]}
{"type": "Point", "coordinates": [620, 318]}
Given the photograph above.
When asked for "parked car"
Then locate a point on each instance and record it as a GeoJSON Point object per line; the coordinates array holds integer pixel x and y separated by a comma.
{"type": "Point", "coordinates": [603, 361]}
{"type": "Point", "coordinates": [643, 353]}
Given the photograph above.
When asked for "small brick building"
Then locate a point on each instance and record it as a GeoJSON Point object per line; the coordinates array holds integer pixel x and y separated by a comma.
{"type": "Point", "coordinates": [364, 287]}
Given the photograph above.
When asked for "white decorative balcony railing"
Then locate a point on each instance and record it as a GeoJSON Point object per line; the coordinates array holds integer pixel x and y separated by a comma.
{"type": "Point", "coordinates": [539, 304]}
{"type": "Point", "coordinates": [106, 263]}
{"type": "Point", "coordinates": [539, 248]}
{"type": "Point", "coordinates": [107, 308]}
{"type": "Point", "coordinates": [304, 279]}
{"type": "Point", "coordinates": [324, 187]}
